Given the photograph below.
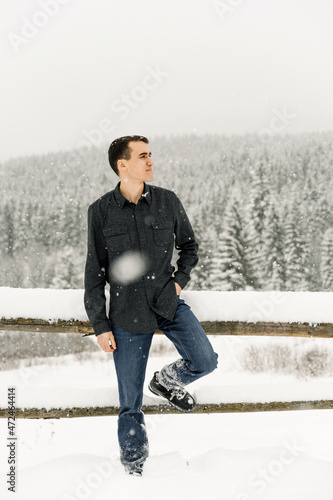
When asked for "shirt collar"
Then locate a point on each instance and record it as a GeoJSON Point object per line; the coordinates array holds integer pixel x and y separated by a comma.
{"type": "Point", "coordinates": [146, 193]}
{"type": "Point", "coordinates": [121, 200]}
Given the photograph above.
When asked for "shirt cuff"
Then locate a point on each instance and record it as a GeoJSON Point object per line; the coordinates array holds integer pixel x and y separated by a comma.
{"type": "Point", "coordinates": [182, 279]}
{"type": "Point", "coordinates": [102, 327]}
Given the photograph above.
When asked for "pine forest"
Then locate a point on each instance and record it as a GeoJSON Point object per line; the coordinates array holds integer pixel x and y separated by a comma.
{"type": "Point", "coordinates": [261, 208]}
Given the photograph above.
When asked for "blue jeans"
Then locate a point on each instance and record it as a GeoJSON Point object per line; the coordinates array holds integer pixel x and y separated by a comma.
{"type": "Point", "coordinates": [130, 358]}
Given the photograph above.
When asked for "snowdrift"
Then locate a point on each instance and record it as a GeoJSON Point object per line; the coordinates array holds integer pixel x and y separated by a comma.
{"type": "Point", "coordinates": [274, 306]}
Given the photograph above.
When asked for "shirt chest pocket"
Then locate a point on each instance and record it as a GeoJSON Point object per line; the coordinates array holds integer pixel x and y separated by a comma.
{"type": "Point", "coordinates": [117, 237]}
{"type": "Point", "coordinates": [163, 232]}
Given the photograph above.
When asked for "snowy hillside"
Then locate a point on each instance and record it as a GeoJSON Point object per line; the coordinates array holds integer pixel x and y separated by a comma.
{"type": "Point", "coordinates": [261, 209]}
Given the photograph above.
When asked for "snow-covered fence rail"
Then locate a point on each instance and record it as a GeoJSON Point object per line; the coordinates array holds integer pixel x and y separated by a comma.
{"type": "Point", "coordinates": [210, 327]}
{"type": "Point", "coordinates": [301, 314]}
{"type": "Point", "coordinates": [167, 409]}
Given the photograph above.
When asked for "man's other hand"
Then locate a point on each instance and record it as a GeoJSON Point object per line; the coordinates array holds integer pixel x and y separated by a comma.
{"type": "Point", "coordinates": [178, 288]}
{"type": "Point", "coordinates": [106, 342]}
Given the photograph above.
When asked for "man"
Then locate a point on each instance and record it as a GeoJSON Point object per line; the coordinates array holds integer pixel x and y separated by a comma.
{"type": "Point", "coordinates": [132, 232]}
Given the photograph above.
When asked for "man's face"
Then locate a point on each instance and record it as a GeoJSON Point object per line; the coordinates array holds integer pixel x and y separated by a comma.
{"type": "Point", "coordinates": [139, 166]}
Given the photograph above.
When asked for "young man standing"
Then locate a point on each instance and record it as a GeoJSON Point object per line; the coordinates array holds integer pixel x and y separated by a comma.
{"type": "Point", "coordinates": [139, 225]}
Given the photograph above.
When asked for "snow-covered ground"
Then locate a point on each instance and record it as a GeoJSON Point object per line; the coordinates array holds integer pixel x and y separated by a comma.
{"type": "Point", "coordinates": [243, 456]}
{"type": "Point", "coordinates": [235, 456]}
{"type": "Point", "coordinates": [67, 381]}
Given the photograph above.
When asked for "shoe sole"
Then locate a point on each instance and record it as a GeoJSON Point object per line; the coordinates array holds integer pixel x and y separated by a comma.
{"type": "Point", "coordinates": [168, 400]}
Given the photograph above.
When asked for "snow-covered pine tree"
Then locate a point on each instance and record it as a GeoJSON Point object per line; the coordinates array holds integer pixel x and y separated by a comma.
{"type": "Point", "coordinates": [229, 265]}
{"type": "Point", "coordinates": [318, 214]}
{"type": "Point", "coordinates": [275, 266]}
{"type": "Point", "coordinates": [67, 269]}
{"type": "Point", "coordinates": [257, 211]}
{"type": "Point", "coordinates": [205, 236]}
{"type": "Point", "coordinates": [326, 265]}
{"type": "Point", "coordinates": [296, 250]}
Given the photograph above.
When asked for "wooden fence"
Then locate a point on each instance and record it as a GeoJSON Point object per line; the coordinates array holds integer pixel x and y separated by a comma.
{"type": "Point", "coordinates": [323, 330]}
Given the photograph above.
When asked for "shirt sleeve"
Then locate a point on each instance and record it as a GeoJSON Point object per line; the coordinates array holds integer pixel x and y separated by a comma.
{"type": "Point", "coordinates": [95, 274]}
{"type": "Point", "coordinates": [186, 244]}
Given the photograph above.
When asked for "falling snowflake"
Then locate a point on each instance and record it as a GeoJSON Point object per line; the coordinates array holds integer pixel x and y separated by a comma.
{"type": "Point", "coordinates": [128, 268]}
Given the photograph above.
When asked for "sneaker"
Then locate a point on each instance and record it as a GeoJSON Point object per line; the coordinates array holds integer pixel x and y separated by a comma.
{"type": "Point", "coordinates": [177, 396]}
{"type": "Point", "coordinates": [134, 470]}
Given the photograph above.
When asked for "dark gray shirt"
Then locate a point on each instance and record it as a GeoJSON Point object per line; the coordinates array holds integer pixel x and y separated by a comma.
{"type": "Point", "coordinates": [130, 247]}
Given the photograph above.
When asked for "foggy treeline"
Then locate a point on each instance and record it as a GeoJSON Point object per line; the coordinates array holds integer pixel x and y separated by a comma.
{"type": "Point", "coordinates": [261, 208]}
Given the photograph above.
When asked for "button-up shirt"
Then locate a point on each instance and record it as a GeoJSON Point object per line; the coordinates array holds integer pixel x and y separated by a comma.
{"type": "Point", "coordinates": [130, 247]}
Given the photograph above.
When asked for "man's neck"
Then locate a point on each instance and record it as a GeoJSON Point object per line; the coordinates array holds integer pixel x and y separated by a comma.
{"type": "Point", "coordinates": [132, 192]}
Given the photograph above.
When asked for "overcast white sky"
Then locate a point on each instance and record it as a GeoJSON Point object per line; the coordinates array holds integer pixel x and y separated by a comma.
{"type": "Point", "coordinates": [92, 70]}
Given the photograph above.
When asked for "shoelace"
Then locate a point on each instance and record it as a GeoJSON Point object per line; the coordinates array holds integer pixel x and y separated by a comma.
{"type": "Point", "coordinates": [178, 393]}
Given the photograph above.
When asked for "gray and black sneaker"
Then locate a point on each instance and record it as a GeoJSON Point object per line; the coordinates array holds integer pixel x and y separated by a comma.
{"type": "Point", "coordinates": [177, 396]}
{"type": "Point", "coordinates": [134, 470]}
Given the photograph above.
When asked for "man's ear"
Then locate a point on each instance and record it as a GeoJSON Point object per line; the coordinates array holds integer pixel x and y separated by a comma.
{"type": "Point", "coordinates": [121, 165]}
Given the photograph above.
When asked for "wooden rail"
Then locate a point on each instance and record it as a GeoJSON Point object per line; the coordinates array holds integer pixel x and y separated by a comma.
{"type": "Point", "coordinates": [167, 409]}
{"type": "Point", "coordinates": [324, 330]}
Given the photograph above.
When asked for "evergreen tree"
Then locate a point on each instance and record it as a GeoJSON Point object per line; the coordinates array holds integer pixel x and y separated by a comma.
{"type": "Point", "coordinates": [296, 250]}
{"type": "Point", "coordinates": [67, 269]}
{"type": "Point", "coordinates": [257, 211]}
{"type": "Point", "coordinates": [275, 266]}
{"type": "Point", "coordinates": [229, 266]}
{"type": "Point", "coordinates": [200, 276]}
{"type": "Point", "coordinates": [326, 265]}
{"type": "Point", "coordinates": [8, 235]}
{"type": "Point", "coordinates": [317, 214]}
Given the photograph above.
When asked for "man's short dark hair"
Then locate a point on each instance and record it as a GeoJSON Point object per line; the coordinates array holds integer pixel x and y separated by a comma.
{"type": "Point", "coordinates": [119, 149]}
